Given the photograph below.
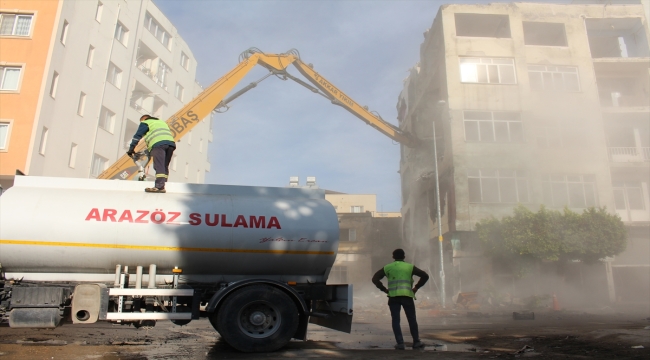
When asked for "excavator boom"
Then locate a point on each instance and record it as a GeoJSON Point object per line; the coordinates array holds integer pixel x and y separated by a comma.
{"type": "Point", "coordinates": [214, 96]}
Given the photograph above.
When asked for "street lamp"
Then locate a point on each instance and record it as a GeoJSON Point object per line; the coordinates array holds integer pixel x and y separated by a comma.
{"type": "Point", "coordinates": [435, 162]}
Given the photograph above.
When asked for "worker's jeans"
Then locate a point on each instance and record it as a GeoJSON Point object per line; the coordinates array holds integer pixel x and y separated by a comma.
{"type": "Point", "coordinates": [162, 156]}
{"type": "Point", "coordinates": [395, 304]}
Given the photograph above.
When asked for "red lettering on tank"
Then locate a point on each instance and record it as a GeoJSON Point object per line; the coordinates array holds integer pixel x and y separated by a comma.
{"type": "Point", "coordinates": [173, 217]}
{"type": "Point", "coordinates": [158, 217]}
{"type": "Point", "coordinates": [240, 221]}
{"type": "Point", "coordinates": [140, 218]}
{"type": "Point", "coordinates": [223, 221]}
{"type": "Point", "coordinates": [195, 219]}
{"type": "Point", "coordinates": [215, 222]}
{"type": "Point", "coordinates": [257, 222]}
{"type": "Point", "coordinates": [126, 216]}
{"type": "Point", "coordinates": [109, 214]}
{"type": "Point", "coordinates": [273, 222]}
{"type": "Point", "coordinates": [93, 214]}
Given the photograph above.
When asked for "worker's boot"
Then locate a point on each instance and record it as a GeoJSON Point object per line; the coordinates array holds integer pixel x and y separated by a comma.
{"type": "Point", "coordinates": [400, 347]}
{"type": "Point", "coordinates": [418, 344]}
{"type": "Point", "coordinates": [155, 190]}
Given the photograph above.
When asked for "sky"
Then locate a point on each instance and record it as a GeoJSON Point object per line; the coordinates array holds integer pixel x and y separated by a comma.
{"type": "Point", "coordinates": [280, 129]}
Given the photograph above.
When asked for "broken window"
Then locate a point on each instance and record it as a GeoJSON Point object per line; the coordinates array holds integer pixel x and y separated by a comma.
{"type": "Point", "coordinates": [575, 191]}
{"type": "Point", "coordinates": [482, 25]}
{"type": "Point", "coordinates": [493, 126]}
{"type": "Point", "coordinates": [487, 70]}
{"type": "Point", "coordinates": [545, 34]}
{"type": "Point", "coordinates": [553, 78]}
{"type": "Point", "coordinates": [628, 195]}
{"type": "Point", "coordinates": [623, 37]}
{"type": "Point", "coordinates": [497, 186]}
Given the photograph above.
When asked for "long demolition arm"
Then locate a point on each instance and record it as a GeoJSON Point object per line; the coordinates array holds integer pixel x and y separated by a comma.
{"type": "Point", "coordinates": [200, 107]}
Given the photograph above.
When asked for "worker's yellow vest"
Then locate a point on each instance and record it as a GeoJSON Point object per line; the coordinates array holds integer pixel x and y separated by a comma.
{"type": "Point", "coordinates": [400, 278]}
{"type": "Point", "coordinates": [158, 131]}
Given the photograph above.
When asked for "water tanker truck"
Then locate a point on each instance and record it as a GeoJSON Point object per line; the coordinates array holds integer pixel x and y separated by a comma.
{"type": "Point", "coordinates": [253, 260]}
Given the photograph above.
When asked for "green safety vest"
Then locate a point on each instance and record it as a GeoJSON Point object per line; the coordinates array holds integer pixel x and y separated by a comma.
{"type": "Point", "coordinates": [158, 131]}
{"type": "Point", "coordinates": [400, 279]}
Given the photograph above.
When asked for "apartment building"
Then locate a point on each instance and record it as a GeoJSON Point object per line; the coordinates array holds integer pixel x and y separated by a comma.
{"type": "Point", "coordinates": [532, 104]}
{"type": "Point", "coordinates": [75, 77]}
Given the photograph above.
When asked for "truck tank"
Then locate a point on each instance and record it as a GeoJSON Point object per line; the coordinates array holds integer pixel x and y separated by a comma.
{"type": "Point", "coordinates": [213, 232]}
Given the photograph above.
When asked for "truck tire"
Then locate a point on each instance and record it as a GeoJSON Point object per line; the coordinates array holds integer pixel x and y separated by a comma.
{"type": "Point", "coordinates": [257, 318]}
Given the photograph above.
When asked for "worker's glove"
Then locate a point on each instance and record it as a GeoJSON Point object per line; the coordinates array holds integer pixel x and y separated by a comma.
{"type": "Point", "coordinates": [415, 289]}
{"type": "Point", "coordinates": [385, 290]}
{"type": "Point", "coordinates": [130, 153]}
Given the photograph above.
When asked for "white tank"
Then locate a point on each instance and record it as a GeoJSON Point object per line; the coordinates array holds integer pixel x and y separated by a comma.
{"type": "Point", "coordinates": [217, 232]}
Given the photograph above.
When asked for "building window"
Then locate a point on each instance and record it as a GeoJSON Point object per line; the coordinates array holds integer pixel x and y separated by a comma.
{"type": "Point", "coordinates": [487, 70]}
{"type": "Point", "coordinates": [98, 165]}
{"type": "Point", "coordinates": [338, 275]}
{"type": "Point", "coordinates": [185, 61]}
{"type": "Point", "coordinates": [497, 186]}
{"type": "Point", "coordinates": [178, 92]}
{"type": "Point", "coordinates": [356, 209]}
{"type": "Point", "coordinates": [545, 34]}
{"type": "Point", "coordinates": [9, 78]}
{"type": "Point", "coordinates": [189, 138]}
{"type": "Point", "coordinates": [549, 137]}
{"type": "Point", "coordinates": [174, 161]}
{"type": "Point", "coordinates": [100, 10]}
{"type": "Point", "coordinates": [628, 195]}
{"type": "Point", "coordinates": [554, 78]}
{"type": "Point", "coordinates": [201, 145]}
{"type": "Point", "coordinates": [15, 24]}
{"type": "Point", "coordinates": [91, 55]}
{"type": "Point", "coordinates": [575, 191]}
{"type": "Point", "coordinates": [114, 75]}
{"type": "Point", "coordinates": [43, 143]}
{"type": "Point", "coordinates": [493, 126]}
{"type": "Point", "coordinates": [158, 32]}
{"type": "Point", "coordinates": [64, 32]}
{"type": "Point", "coordinates": [82, 104]}
{"type": "Point", "coordinates": [121, 33]}
{"type": "Point", "coordinates": [198, 175]}
{"type": "Point", "coordinates": [482, 25]}
{"type": "Point", "coordinates": [106, 119]}
{"type": "Point", "coordinates": [54, 85]}
{"type": "Point", "coordinates": [73, 155]}
{"type": "Point", "coordinates": [4, 135]}
{"type": "Point", "coordinates": [187, 169]}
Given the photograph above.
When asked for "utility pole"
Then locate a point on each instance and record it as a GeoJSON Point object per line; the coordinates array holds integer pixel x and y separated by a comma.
{"type": "Point", "coordinates": [442, 264]}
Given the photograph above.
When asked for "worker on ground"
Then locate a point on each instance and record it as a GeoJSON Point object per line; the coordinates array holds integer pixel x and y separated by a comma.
{"type": "Point", "coordinates": [161, 145]}
{"type": "Point", "coordinates": [401, 293]}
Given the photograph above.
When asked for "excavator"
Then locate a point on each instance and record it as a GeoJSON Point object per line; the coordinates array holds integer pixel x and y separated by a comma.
{"type": "Point", "coordinates": [214, 99]}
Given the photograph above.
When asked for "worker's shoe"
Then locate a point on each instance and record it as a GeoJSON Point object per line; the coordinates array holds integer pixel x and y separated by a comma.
{"type": "Point", "coordinates": [400, 347]}
{"type": "Point", "coordinates": [418, 345]}
{"type": "Point", "coordinates": [155, 190]}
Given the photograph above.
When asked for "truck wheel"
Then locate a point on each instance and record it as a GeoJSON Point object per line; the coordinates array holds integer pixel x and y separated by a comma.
{"type": "Point", "coordinates": [258, 318]}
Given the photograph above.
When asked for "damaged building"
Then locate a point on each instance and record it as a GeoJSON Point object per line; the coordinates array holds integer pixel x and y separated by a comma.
{"type": "Point", "coordinates": [537, 104]}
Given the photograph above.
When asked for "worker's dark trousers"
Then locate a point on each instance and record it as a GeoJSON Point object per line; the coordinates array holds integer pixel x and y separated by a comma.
{"type": "Point", "coordinates": [395, 304]}
{"type": "Point", "coordinates": [162, 156]}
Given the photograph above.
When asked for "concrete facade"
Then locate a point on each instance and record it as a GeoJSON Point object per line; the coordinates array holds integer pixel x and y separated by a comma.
{"type": "Point", "coordinates": [533, 104]}
{"type": "Point", "coordinates": [92, 69]}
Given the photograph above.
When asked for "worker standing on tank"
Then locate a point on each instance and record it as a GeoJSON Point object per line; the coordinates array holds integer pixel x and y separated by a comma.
{"type": "Point", "coordinates": [161, 145]}
{"type": "Point", "coordinates": [401, 293]}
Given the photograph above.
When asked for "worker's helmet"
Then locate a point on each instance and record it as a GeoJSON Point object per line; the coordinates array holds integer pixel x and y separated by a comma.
{"type": "Point", "coordinates": [398, 254]}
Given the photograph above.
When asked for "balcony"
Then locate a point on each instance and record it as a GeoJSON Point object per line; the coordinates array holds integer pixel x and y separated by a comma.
{"type": "Point", "coordinates": [153, 76]}
{"type": "Point", "coordinates": [629, 154]}
{"type": "Point", "coordinates": [617, 38]}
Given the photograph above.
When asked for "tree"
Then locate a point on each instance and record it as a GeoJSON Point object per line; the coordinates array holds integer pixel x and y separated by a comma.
{"type": "Point", "coordinates": [552, 235]}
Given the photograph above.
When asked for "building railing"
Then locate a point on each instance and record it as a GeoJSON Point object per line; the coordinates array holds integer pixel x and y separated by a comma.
{"type": "Point", "coordinates": [147, 71]}
{"type": "Point", "coordinates": [629, 154]}
{"type": "Point", "coordinates": [139, 108]}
